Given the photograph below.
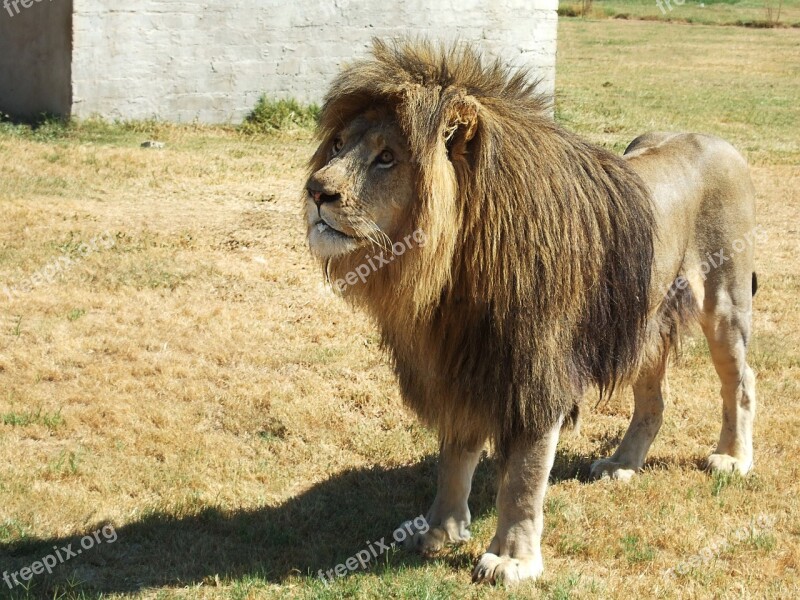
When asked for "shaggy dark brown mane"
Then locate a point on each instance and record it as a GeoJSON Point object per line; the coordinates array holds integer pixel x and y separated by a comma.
{"type": "Point", "coordinates": [535, 280]}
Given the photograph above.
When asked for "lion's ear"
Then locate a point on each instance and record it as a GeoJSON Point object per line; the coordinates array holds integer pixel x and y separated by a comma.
{"type": "Point", "coordinates": [462, 124]}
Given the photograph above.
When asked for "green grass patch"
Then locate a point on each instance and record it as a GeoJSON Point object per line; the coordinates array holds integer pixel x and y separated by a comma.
{"type": "Point", "coordinates": [762, 541]}
{"type": "Point", "coordinates": [270, 116]}
{"type": "Point", "coordinates": [636, 551]}
{"type": "Point", "coordinates": [25, 419]}
{"type": "Point", "coordinates": [66, 464]}
{"type": "Point", "coordinates": [721, 481]}
{"type": "Point", "coordinates": [75, 314]}
{"type": "Point", "coordinates": [572, 545]}
{"type": "Point", "coordinates": [564, 587]}
{"type": "Point", "coordinates": [11, 530]}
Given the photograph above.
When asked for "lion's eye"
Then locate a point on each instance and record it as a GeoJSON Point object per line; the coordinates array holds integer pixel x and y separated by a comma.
{"type": "Point", "coordinates": [338, 143]}
{"type": "Point", "coordinates": [385, 158]}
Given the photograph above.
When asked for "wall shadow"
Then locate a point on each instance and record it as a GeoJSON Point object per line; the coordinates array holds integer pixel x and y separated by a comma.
{"type": "Point", "coordinates": [36, 59]}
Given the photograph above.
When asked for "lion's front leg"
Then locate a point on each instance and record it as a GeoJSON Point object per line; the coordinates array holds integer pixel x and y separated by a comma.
{"type": "Point", "coordinates": [515, 552]}
{"type": "Point", "coordinates": [449, 516]}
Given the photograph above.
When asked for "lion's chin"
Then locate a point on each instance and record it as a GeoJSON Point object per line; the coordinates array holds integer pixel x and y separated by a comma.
{"type": "Point", "coordinates": [326, 242]}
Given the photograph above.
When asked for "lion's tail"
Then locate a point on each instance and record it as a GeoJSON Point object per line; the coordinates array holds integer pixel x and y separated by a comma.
{"type": "Point", "coordinates": [677, 312]}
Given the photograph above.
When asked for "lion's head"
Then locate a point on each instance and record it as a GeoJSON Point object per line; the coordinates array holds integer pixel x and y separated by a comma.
{"type": "Point", "coordinates": [534, 278]}
{"type": "Point", "coordinates": [362, 193]}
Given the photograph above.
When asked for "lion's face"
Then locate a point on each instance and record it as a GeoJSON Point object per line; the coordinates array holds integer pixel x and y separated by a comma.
{"type": "Point", "coordinates": [364, 190]}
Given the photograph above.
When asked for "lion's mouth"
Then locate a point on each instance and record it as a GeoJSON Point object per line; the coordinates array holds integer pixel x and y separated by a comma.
{"type": "Point", "coordinates": [326, 241]}
{"type": "Point", "coordinates": [322, 226]}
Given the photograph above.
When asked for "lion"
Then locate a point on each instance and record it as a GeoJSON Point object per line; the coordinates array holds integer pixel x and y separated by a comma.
{"type": "Point", "coordinates": [549, 266]}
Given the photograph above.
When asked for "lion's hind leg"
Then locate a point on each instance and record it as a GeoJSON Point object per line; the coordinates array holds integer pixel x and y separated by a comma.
{"type": "Point", "coordinates": [650, 391]}
{"type": "Point", "coordinates": [679, 308]}
{"type": "Point", "coordinates": [449, 517]}
{"type": "Point", "coordinates": [726, 324]}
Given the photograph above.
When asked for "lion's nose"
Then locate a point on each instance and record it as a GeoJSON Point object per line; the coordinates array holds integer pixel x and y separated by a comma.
{"type": "Point", "coordinates": [321, 193]}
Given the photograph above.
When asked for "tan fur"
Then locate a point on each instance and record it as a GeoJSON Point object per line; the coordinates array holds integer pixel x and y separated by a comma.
{"type": "Point", "coordinates": [545, 269]}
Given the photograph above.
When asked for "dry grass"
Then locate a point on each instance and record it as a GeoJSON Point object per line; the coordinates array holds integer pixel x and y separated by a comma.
{"type": "Point", "coordinates": [747, 13]}
{"type": "Point", "coordinates": [197, 387]}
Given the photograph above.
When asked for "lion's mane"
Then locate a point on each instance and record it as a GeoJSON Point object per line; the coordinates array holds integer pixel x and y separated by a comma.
{"type": "Point", "coordinates": [535, 279]}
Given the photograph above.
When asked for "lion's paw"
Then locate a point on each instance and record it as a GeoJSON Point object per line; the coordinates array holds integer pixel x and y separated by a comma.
{"type": "Point", "coordinates": [605, 468]}
{"type": "Point", "coordinates": [435, 539]}
{"type": "Point", "coordinates": [504, 569]}
{"type": "Point", "coordinates": [724, 463]}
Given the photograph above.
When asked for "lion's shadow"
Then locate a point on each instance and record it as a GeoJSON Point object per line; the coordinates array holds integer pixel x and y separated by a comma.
{"type": "Point", "coordinates": [314, 530]}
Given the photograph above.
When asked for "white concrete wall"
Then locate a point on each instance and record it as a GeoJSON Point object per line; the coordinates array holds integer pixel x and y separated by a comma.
{"type": "Point", "coordinates": [210, 60]}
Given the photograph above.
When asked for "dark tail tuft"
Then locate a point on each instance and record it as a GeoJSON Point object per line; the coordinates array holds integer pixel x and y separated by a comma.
{"type": "Point", "coordinates": [677, 313]}
{"type": "Point", "coordinates": [572, 421]}
{"type": "Point", "coordinates": [755, 283]}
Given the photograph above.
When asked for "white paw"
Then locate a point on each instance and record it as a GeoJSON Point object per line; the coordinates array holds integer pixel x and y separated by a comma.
{"type": "Point", "coordinates": [605, 468]}
{"type": "Point", "coordinates": [435, 539]}
{"type": "Point", "coordinates": [504, 569]}
{"type": "Point", "coordinates": [724, 463]}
